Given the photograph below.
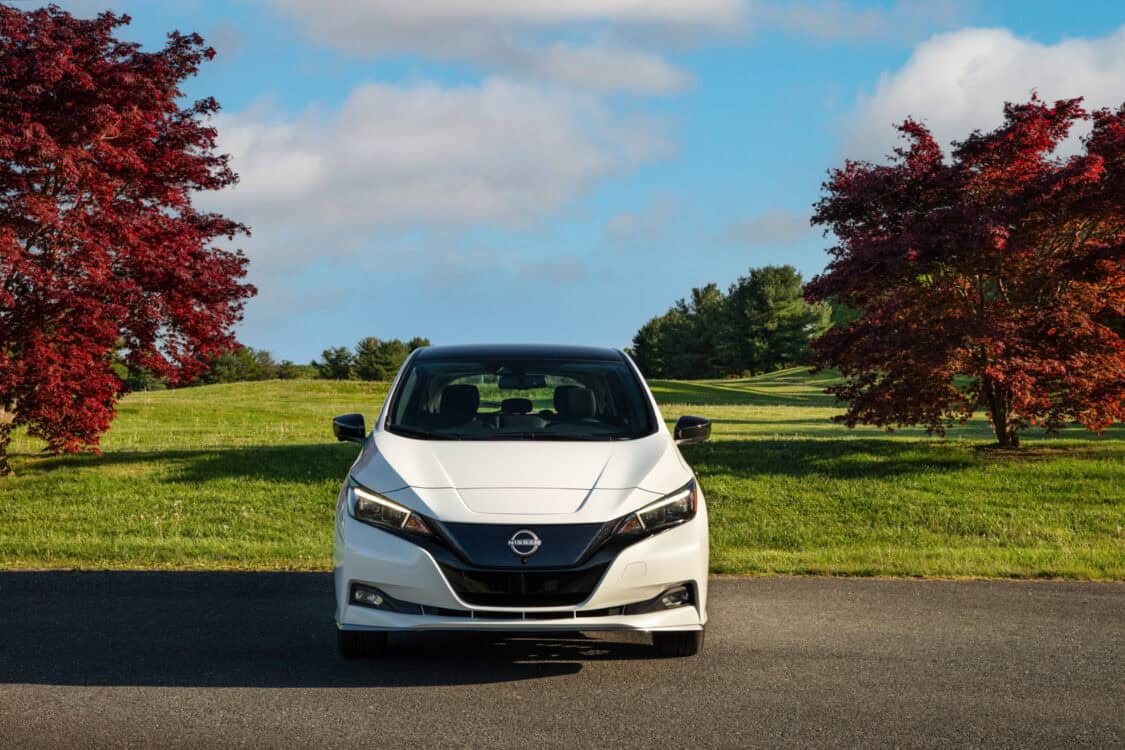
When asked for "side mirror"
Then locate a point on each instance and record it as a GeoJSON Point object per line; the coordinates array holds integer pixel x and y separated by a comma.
{"type": "Point", "coordinates": [691, 430]}
{"type": "Point", "coordinates": [349, 427]}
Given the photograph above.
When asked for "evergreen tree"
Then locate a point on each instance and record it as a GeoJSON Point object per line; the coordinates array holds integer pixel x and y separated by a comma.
{"type": "Point", "coordinates": [768, 322]}
{"type": "Point", "coordinates": [376, 359]}
{"type": "Point", "coordinates": [762, 323]}
{"type": "Point", "coordinates": [336, 364]}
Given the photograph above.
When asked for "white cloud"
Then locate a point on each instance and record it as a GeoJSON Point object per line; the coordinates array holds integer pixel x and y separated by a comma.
{"type": "Point", "coordinates": [832, 20]}
{"type": "Point", "coordinates": [599, 45]}
{"type": "Point", "coordinates": [773, 227]}
{"type": "Point", "coordinates": [424, 156]}
{"type": "Point", "coordinates": [401, 160]}
{"type": "Point", "coordinates": [226, 39]}
{"type": "Point", "coordinates": [958, 82]}
{"type": "Point", "coordinates": [389, 24]}
{"type": "Point", "coordinates": [602, 68]}
{"type": "Point", "coordinates": [523, 38]}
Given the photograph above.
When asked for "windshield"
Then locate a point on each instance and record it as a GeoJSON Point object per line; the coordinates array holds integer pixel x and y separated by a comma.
{"type": "Point", "coordinates": [520, 399]}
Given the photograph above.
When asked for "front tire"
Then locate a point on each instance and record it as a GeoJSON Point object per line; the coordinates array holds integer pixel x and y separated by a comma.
{"type": "Point", "coordinates": [360, 644]}
{"type": "Point", "coordinates": [678, 643]}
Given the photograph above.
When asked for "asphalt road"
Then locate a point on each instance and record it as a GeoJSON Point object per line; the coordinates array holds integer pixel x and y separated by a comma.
{"type": "Point", "coordinates": [248, 659]}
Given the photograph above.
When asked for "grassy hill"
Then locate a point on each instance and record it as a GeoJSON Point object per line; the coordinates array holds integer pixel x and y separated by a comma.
{"type": "Point", "coordinates": [244, 476]}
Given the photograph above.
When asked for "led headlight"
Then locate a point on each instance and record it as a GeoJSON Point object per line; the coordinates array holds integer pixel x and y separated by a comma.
{"type": "Point", "coordinates": [670, 510]}
{"type": "Point", "coordinates": [376, 510]}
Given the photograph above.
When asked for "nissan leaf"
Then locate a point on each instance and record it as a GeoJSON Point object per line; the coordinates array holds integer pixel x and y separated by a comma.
{"type": "Point", "coordinates": [520, 488]}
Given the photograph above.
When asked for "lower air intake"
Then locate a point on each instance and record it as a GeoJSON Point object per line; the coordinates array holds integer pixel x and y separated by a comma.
{"type": "Point", "coordinates": [537, 588]}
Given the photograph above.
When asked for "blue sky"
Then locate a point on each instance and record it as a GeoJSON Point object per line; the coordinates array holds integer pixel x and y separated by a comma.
{"type": "Point", "coordinates": [531, 170]}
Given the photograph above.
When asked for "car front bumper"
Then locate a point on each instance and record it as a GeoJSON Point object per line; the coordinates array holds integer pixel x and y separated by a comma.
{"type": "Point", "coordinates": [409, 573]}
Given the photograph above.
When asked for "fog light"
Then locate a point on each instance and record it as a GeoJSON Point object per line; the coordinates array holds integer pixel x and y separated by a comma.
{"type": "Point", "coordinates": [367, 596]}
{"type": "Point", "coordinates": [675, 597]}
{"type": "Point", "coordinates": [672, 597]}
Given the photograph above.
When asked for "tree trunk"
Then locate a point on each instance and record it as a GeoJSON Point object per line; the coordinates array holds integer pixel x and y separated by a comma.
{"type": "Point", "coordinates": [6, 419]}
{"type": "Point", "coordinates": [999, 401]}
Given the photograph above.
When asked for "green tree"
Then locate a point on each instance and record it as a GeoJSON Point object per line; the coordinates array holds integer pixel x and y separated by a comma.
{"type": "Point", "coordinates": [134, 377]}
{"type": "Point", "coordinates": [762, 323]}
{"type": "Point", "coordinates": [842, 314]}
{"type": "Point", "coordinates": [336, 364]}
{"type": "Point", "coordinates": [368, 359]}
{"type": "Point", "coordinates": [376, 359]}
{"type": "Point", "coordinates": [289, 370]}
{"type": "Point", "coordinates": [265, 368]}
{"type": "Point", "coordinates": [227, 367]}
{"type": "Point", "coordinates": [648, 346]}
{"type": "Point", "coordinates": [692, 335]}
{"type": "Point", "coordinates": [768, 323]}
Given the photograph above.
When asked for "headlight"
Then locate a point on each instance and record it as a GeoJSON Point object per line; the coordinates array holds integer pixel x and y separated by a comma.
{"type": "Point", "coordinates": [376, 510]}
{"type": "Point", "coordinates": [670, 510]}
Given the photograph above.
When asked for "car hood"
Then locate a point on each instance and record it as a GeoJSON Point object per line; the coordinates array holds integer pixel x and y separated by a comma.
{"type": "Point", "coordinates": [462, 479]}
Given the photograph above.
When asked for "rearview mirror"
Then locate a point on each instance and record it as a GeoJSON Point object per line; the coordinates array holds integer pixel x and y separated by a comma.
{"type": "Point", "coordinates": [521, 382]}
{"type": "Point", "coordinates": [350, 427]}
{"type": "Point", "coordinates": [691, 430]}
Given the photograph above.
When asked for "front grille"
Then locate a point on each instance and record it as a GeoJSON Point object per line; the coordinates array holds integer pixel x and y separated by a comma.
{"type": "Point", "coordinates": [535, 588]}
{"type": "Point", "coordinates": [486, 545]}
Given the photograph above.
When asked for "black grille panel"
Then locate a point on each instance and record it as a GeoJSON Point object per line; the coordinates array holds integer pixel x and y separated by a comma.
{"type": "Point", "coordinates": [485, 545]}
{"type": "Point", "coordinates": [518, 588]}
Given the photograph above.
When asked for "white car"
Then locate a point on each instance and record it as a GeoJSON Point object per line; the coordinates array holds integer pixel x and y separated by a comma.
{"type": "Point", "coordinates": [520, 488]}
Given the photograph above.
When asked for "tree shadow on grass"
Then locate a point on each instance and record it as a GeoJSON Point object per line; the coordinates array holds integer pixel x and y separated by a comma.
{"type": "Point", "coordinates": [735, 393]}
{"type": "Point", "coordinates": [835, 459]}
{"type": "Point", "coordinates": [840, 456]}
{"type": "Point", "coordinates": [977, 431]}
{"type": "Point", "coordinates": [220, 629]}
{"type": "Point", "coordinates": [818, 424]}
{"type": "Point", "coordinates": [313, 462]}
{"type": "Point", "coordinates": [856, 458]}
{"type": "Point", "coordinates": [799, 457]}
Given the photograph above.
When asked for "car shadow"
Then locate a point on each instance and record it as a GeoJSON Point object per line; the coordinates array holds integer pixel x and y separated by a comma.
{"type": "Point", "coordinates": [233, 629]}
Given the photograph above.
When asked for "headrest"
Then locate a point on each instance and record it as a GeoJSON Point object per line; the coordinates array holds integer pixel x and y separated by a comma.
{"type": "Point", "coordinates": [579, 403]}
{"type": "Point", "coordinates": [460, 401]}
{"type": "Point", "coordinates": [560, 397]}
{"type": "Point", "coordinates": [516, 405]}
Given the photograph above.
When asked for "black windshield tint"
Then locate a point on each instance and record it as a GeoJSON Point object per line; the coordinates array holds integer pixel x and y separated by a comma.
{"type": "Point", "coordinates": [520, 399]}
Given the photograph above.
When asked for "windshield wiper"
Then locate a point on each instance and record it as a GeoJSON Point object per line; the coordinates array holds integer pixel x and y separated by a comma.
{"type": "Point", "coordinates": [411, 432]}
{"type": "Point", "coordinates": [547, 436]}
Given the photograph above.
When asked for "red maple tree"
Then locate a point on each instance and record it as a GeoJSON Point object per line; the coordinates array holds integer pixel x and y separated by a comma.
{"type": "Point", "coordinates": [993, 279]}
{"type": "Point", "coordinates": [100, 246]}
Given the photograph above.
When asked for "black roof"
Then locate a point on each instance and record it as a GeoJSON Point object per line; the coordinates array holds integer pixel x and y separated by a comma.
{"type": "Point", "coordinates": [520, 351]}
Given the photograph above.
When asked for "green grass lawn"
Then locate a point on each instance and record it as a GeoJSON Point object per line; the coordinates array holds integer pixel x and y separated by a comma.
{"type": "Point", "coordinates": [244, 476]}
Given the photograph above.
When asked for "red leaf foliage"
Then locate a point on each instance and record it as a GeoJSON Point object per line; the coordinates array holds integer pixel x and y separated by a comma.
{"type": "Point", "coordinates": [994, 278]}
{"type": "Point", "coordinates": [100, 246]}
